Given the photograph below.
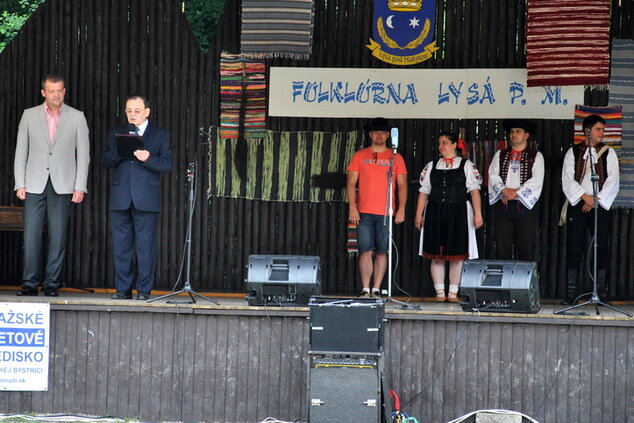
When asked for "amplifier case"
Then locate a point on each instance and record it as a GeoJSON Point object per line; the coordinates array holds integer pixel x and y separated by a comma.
{"type": "Point", "coordinates": [500, 286]}
{"type": "Point", "coordinates": [346, 325]}
{"type": "Point", "coordinates": [344, 393]}
{"type": "Point", "coordinates": [282, 280]}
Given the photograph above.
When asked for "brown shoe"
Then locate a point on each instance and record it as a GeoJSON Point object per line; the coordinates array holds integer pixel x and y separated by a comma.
{"type": "Point", "coordinates": [364, 294]}
{"type": "Point", "coordinates": [440, 296]}
{"type": "Point", "coordinates": [453, 298]}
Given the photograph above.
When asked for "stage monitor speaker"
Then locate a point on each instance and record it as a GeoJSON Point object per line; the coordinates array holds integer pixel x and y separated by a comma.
{"type": "Point", "coordinates": [282, 280]}
{"type": "Point", "coordinates": [500, 286]}
{"type": "Point", "coordinates": [344, 389]}
{"type": "Point", "coordinates": [346, 325]}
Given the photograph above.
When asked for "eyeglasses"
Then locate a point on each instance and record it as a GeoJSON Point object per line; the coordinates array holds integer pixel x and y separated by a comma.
{"type": "Point", "coordinates": [375, 158]}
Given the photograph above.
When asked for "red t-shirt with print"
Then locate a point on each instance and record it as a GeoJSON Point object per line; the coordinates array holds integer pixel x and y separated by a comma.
{"type": "Point", "coordinates": [372, 183]}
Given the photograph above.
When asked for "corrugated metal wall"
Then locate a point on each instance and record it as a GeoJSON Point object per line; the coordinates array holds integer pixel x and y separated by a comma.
{"type": "Point", "coordinates": [109, 49]}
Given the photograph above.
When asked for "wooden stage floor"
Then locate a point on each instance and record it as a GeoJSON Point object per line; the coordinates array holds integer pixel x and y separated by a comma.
{"type": "Point", "coordinates": [233, 362]}
{"type": "Point", "coordinates": [235, 302]}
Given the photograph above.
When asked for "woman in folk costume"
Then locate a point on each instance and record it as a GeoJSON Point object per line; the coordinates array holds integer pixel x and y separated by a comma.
{"type": "Point", "coordinates": [445, 217]}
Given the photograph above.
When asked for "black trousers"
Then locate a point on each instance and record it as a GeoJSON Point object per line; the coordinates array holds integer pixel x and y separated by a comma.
{"type": "Point", "coordinates": [56, 209]}
{"type": "Point", "coordinates": [134, 233]}
{"type": "Point", "coordinates": [515, 230]}
{"type": "Point", "coordinates": [579, 225]}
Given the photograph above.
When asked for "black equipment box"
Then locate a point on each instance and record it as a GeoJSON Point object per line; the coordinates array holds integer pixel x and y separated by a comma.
{"type": "Point", "coordinates": [346, 325]}
{"type": "Point", "coordinates": [500, 286]}
{"type": "Point", "coordinates": [339, 388]}
{"type": "Point", "coordinates": [357, 362]}
{"type": "Point", "coordinates": [282, 280]}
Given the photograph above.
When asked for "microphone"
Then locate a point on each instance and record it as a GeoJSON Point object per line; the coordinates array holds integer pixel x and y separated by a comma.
{"type": "Point", "coordinates": [394, 135]}
{"type": "Point", "coordinates": [589, 139]}
{"type": "Point", "coordinates": [131, 128]}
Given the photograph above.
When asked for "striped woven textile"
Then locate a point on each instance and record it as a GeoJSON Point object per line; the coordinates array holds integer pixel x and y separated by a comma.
{"type": "Point", "coordinates": [481, 153]}
{"type": "Point", "coordinates": [622, 92]}
{"type": "Point", "coordinates": [280, 166]}
{"type": "Point", "coordinates": [568, 42]}
{"type": "Point", "coordinates": [613, 116]}
{"type": "Point", "coordinates": [352, 244]}
{"type": "Point", "coordinates": [277, 28]}
{"type": "Point", "coordinates": [242, 97]}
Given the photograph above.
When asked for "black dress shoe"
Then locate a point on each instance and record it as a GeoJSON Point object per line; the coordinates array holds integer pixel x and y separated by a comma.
{"type": "Point", "coordinates": [51, 291]}
{"type": "Point", "coordinates": [143, 296]}
{"type": "Point", "coordinates": [121, 296]}
{"type": "Point", "coordinates": [27, 291]}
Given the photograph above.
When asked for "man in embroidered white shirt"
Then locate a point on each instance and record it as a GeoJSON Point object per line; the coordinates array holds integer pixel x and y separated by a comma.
{"type": "Point", "coordinates": [577, 186]}
{"type": "Point", "coordinates": [516, 178]}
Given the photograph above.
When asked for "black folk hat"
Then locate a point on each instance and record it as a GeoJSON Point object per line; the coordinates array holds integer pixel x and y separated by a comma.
{"type": "Point", "coordinates": [379, 124]}
{"type": "Point", "coordinates": [527, 125]}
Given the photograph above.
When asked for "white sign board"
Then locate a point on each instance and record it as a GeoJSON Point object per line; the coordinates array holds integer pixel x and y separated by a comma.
{"type": "Point", "coordinates": [24, 335]}
{"type": "Point", "coordinates": [416, 94]}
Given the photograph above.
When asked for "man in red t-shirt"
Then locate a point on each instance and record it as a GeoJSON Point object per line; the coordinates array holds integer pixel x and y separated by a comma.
{"type": "Point", "coordinates": [368, 204]}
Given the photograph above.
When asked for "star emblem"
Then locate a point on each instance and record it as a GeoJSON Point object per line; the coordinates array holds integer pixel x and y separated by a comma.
{"type": "Point", "coordinates": [414, 22]}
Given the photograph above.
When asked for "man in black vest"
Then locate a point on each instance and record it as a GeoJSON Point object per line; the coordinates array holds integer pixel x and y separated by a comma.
{"type": "Point", "coordinates": [516, 177]}
{"type": "Point", "coordinates": [577, 186]}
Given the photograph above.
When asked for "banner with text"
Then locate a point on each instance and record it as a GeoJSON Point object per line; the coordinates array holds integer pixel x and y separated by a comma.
{"type": "Point", "coordinates": [416, 94]}
{"type": "Point", "coordinates": [24, 346]}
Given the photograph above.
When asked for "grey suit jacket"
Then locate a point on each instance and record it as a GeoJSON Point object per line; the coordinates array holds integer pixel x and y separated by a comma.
{"type": "Point", "coordinates": [65, 161]}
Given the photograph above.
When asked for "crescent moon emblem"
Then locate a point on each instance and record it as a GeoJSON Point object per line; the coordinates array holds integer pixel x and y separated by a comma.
{"type": "Point", "coordinates": [388, 21]}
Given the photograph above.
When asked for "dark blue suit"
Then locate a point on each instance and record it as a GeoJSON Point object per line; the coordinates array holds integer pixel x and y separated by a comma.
{"type": "Point", "coordinates": [134, 206]}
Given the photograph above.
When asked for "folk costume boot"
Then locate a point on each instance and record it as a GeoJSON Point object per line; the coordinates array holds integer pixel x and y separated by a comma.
{"type": "Point", "coordinates": [453, 294]}
{"type": "Point", "coordinates": [602, 288]}
{"type": "Point", "coordinates": [440, 293]}
{"type": "Point", "coordinates": [571, 286]}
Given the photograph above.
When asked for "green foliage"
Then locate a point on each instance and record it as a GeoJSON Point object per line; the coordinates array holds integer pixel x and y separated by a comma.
{"type": "Point", "coordinates": [203, 15]}
{"type": "Point", "coordinates": [13, 14]}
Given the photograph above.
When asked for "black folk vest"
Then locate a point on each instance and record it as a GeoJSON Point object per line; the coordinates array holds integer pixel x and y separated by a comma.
{"type": "Point", "coordinates": [448, 186]}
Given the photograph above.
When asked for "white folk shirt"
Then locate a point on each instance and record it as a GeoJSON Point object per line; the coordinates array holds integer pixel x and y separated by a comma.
{"type": "Point", "coordinates": [528, 193]}
{"type": "Point", "coordinates": [574, 190]}
{"type": "Point", "coordinates": [474, 180]}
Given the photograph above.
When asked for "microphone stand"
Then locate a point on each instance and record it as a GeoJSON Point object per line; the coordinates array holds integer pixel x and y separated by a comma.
{"type": "Point", "coordinates": [594, 298]}
{"type": "Point", "coordinates": [187, 286]}
{"type": "Point", "coordinates": [389, 217]}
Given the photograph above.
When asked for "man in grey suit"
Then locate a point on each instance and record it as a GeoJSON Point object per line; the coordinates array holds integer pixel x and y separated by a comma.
{"type": "Point", "coordinates": [51, 171]}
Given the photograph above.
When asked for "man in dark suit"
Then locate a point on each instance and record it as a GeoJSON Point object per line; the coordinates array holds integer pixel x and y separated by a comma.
{"type": "Point", "coordinates": [135, 199]}
{"type": "Point", "coordinates": [51, 171]}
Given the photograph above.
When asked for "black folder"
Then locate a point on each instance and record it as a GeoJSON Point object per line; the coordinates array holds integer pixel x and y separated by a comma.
{"type": "Point", "coordinates": [127, 144]}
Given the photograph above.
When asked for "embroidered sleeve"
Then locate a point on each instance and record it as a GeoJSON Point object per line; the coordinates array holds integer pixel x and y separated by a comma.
{"type": "Point", "coordinates": [495, 185]}
{"type": "Point", "coordinates": [425, 181]}
{"type": "Point", "coordinates": [474, 179]}
{"type": "Point", "coordinates": [528, 193]}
